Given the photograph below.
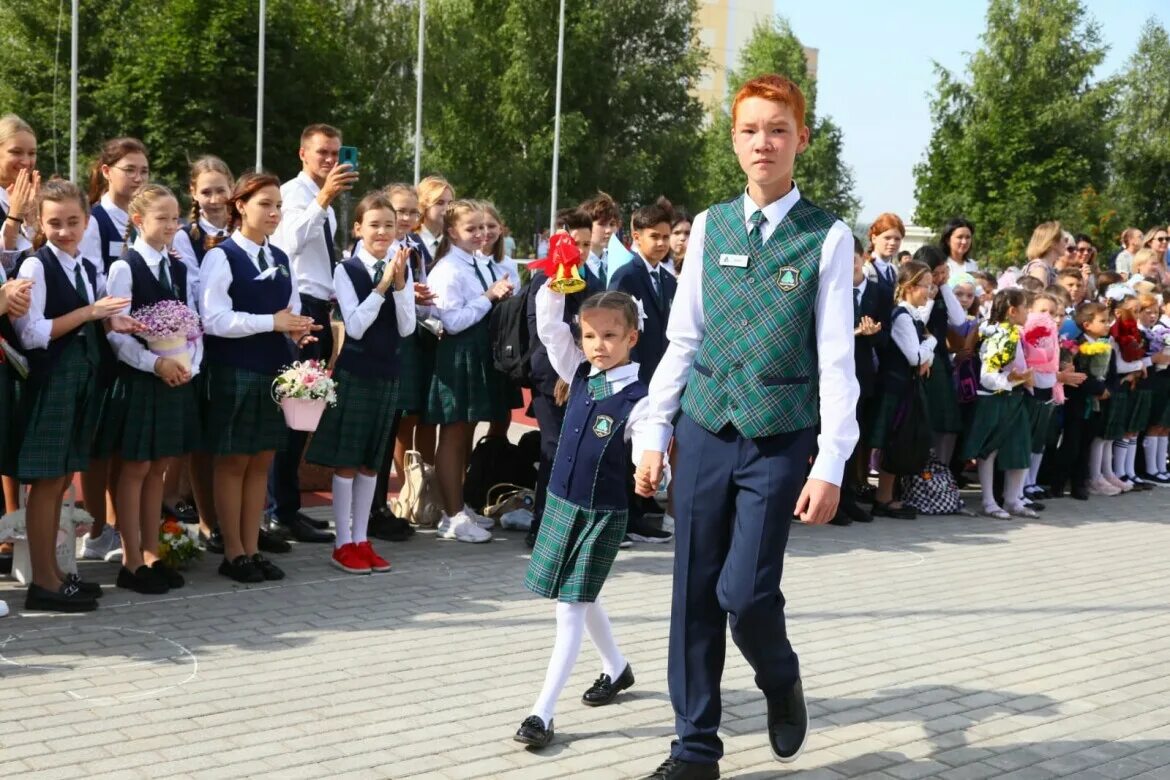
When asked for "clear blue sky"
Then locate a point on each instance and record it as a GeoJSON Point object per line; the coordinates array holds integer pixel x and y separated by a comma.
{"type": "Point", "coordinates": [875, 73]}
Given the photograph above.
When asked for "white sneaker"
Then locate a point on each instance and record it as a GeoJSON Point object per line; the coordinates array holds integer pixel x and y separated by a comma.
{"type": "Point", "coordinates": [482, 521]}
{"type": "Point", "coordinates": [1099, 487]}
{"type": "Point", "coordinates": [444, 524]}
{"type": "Point", "coordinates": [517, 520]}
{"type": "Point", "coordinates": [104, 547]}
{"type": "Point", "coordinates": [3, 608]}
{"type": "Point", "coordinates": [463, 529]}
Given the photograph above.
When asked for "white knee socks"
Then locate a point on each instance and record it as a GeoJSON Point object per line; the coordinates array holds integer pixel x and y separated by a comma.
{"type": "Point", "coordinates": [1034, 468]}
{"type": "Point", "coordinates": [613, 662]}
{"type": "Point", "coordinates": [1150, 455]}
{"type": "Point", "coordinates": [342, 507]}
{"type": "Point", "coordinates": [1013, 488]}
{"type": "Point", "coordinates": [1163, 445]}
{"type": "Point", "coordinates": [1131, 447]}
{"type": "Point", "coordinates": [986, 467]}
{"type": "Point", "coordinates": [1107, 460]}
{"type": "Point", "coordinates": [570, 628]}
{"type": "Point", "coordinates": [363, 499]}
{"type": "Point", "coordinates": [1096, 453]}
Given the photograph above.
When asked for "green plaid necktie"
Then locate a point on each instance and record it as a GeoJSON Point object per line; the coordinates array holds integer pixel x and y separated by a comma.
{"type": "Point", "coordinates": [379, 269]}
{"type": "Point", "coordinates": [598, 387]}
{"type": "Point", "coordinates": [79, 283]}
{"type": "Point", "coordinates": [262, 260]}
{"type": "Point", "coordinates": [164, 276]}
{"type": "Point", "coordinates": [756, 234]}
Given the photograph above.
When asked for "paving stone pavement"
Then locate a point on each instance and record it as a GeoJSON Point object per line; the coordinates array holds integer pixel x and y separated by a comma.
{"type": "Point", "coordinates": [944, 647]}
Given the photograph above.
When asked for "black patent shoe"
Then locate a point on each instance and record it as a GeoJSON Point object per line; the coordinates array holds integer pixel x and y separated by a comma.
{"type": "Point", "coordinates": [841, 519]}
{"type": "Point", "coordinates": [88, 588]}
{"type": "Point", "coordinates": [676, 769]}
{"type": "Point", "coordinates": [532, 732]}
{"type": "Point", "coordinates": [271, 542]}
{"type": "Point", "coordinates": [605, 690]}
{"type": "Point", "coordinates": [66, 599]}
{"type": "Point", "coordinates": [214, 543]}
{"type": "Point", "coordinates": [171, 577]}
{"type": "Point", "coordinates": [142, 580]}
{"type": "Point", "coordinates": [788, 724]}
{"type": "Point", "coordinates": [241, 569]}
{"type": "Point", "coordinates": [267, 568]}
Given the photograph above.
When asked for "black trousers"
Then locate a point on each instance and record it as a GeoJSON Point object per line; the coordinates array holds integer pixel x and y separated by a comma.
{"type": "Point", "coordinates": [550, 418]}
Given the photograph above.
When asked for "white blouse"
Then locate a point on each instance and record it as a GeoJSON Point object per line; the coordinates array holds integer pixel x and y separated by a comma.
{"type": "Point", "coordinates": [359, 315]}
{"type": "Point", "coordinates": [459, 284]}
{"type": "Point", "coordinates": [215, 277]}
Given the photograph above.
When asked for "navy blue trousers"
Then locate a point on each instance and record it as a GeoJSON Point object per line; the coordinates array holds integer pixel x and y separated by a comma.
{"type": "Point", "coordinates": [733, 501]}
{"type": "Point", "coordinates": [550, 418]}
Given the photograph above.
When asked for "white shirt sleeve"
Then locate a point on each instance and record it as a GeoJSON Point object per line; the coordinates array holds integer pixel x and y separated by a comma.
{"type": "Point", "coordinates": [91, 242]}
{"type": "Point", "coordinates": [357, 315]}
{"type": "Point", "coordinates": [458, 307]}
{"type": "Point", "coordinates": [35, 331]}
{"type": "Point", "coordinates": [955, 314]}
{"type": "Point", "coordinates": [563, 353]}
{"type": "Point", "coordinates": [219, 319]}
{"type": "Point", "coordinates": [404, 307]}
{"type": "Point", "coordinates": [301, 218]}
{"type": "Point", "coordinates": [128, 349]}
{"type": "Point", "coordinates": [906, 338]}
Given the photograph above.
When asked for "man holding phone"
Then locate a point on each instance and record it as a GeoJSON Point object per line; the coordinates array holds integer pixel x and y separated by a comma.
{"type": "Point", "coordinates": [307, 229]}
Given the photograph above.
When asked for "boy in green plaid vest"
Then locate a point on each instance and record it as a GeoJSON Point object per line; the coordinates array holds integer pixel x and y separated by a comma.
{"type": "Point", "coordinates": [761, 353]}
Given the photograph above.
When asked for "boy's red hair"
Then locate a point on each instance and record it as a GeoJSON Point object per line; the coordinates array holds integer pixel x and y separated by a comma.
{"type": "Point", "coordinates": [772, 87]}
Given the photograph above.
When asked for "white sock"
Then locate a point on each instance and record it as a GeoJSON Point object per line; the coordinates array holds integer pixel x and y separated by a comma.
{"type": "Point", "coordinates": [570, 628]}
{"type": "Point", "coordinates": [944, 447]}
{"type": "Point", "coordinates": [986, 467]}
{"type": "Point", "coordinates": [1117, 466]}
{"type": "Point", "coordinates": [363, 499]}
{"type": "Point", "coordinates": [342, 507]}
{"type": "Point", "coordinates": [1131, 457]}
{"type": "Point", "coordinates": [1150, 454]}
{"type": "Point", "coordinates": [1163, 445]}
{"type": "Point", "coordinates": [597, 625]}
{"type": "Point", "coordinates": [1034, 469]}
{"type": "Point", "coordinates": [1013, 488]}
{"type": "Point", "coordinates": [1096, 450]}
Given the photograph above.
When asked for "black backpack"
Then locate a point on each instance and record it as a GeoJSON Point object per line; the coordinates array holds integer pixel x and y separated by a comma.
{"type": "Point", "coordinates": [511, 341]}
{"type": "Point", "coordinates": [494, 461]}
{"type": "Point", "coordinates": [907, 445]}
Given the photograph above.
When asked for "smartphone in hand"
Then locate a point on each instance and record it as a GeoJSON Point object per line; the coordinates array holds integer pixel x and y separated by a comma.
{"type": "Point", "coordinates": [348, 155]}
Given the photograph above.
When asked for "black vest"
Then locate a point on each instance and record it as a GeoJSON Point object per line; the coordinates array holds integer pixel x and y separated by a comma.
{"type": "Point", "coordinates": [61, 298]}
{"type": "Point", "coordinates": [896, 370]}
{"type": "Point", "coordinates": [108, 234]}
{"type": "Point", "coordinates": [265, 353]}
{"type": "Point", "coordinates": [375, 354]}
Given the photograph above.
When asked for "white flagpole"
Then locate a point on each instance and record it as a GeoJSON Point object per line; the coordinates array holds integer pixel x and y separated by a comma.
{"type": "Point", "coordinates": [260, 88]}
{"type": "Point", "coordinates": [556, 161]}
{"type": "Point", "coordinates": [73, 93]}
{"type": "Point", "coordinates": [418, 95]}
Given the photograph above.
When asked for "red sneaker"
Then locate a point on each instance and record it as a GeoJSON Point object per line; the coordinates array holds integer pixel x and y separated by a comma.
{"type": "Point", "coordinates": [349, 558]}
{"type": "Point", "coordinates": [372, 559]}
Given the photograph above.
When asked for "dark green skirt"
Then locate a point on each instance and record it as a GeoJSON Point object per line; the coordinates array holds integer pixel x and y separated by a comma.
{"type": "Point", "coordinates": [9, 405]}
{"type": "Point", "coordinates": [883, 417]}
{"type": "Point", "coordinates": [416, 364]}
{"type": "Point", "coordinates": [1160, 399]}
{"type": "Point", "coordinates": [465, 386]}
{"type": "Point", "coordinates": [575, 550]}
{"type": "Point", "coordinates": [242, 418]}
{"type": "Point", "coordinates": [1040, 421]}
{"type": "Point", "coordinates": [1118, 410]}
{"type": "Point", "coordinates": [57, 418]}
{"type": "Point", "coordinates": [143, 419]}
{"type": "Point", "coordinates": [355, 432]}
{"type": "Point", "coordinates": [942, 404]}
{"type": "Point", "coordinates": [1140, 410]}
{"type": "Point", "coordinates": [1001, 426]}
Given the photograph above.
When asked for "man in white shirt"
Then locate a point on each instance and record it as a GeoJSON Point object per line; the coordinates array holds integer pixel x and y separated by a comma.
{"type": "Point", "coordinates": [307, 230]}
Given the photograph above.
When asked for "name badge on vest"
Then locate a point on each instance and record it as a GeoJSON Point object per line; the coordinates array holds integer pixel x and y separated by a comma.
{"type": "Point", "coordinates": [788, 278]}
{"type": "Point", "coordinates": [116, 248]}
{"type": "Point", "coordinates": [602, 426]}
{"type": "Point", "coordinates": [733, 261]}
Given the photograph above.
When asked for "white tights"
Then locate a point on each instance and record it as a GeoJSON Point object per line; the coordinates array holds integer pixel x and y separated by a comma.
{"type": "Point", "coordinates": [572, 621]}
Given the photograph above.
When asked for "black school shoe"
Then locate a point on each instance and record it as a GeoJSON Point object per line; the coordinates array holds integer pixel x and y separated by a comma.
{"type": "Point", "coordinates": [66, 599]}
{"type": "Point", "coordinates": [214, 543]}
{"type": "Point", "coordinates": [88, 588]}
{"type": "Point", "coordinates": [268, 569]}
{"type": "Point", "coordinates": [272, 542]}
{"type": "Point", "coordinates": [532, 732]}
{"type": "Point", "coordinates": [241, 569]}
{"type": "Point", "coordinates": [605, 690]}
{"type": "Point", "coordinates": [387, 526]}
{"type": "Point", "coordinates": [899, 512]}
{"type": "Point", "coordinates": [171, 577]}
{"type": "Point", "coordinates": [788, 724]}
{"type": "Point", "coordinates": [142, 580]}
{"type": "Point", "coordinates": [855, 513]}
{"type": "Point", "coordinates": [676, 769]}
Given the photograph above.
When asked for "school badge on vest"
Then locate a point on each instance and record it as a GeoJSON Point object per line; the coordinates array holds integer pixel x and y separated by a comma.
{"type": "Point", "coordinates": [602, 426]}
{"type": "Point", "coordinates": [788, 278]}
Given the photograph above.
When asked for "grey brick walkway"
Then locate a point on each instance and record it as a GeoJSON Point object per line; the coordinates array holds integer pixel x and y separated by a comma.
{"type": "Point", "coordinates": [951, 648]}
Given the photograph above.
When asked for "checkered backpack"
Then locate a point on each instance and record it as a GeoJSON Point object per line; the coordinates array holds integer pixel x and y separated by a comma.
{"type": "Point", "coordinates": [933, 491]}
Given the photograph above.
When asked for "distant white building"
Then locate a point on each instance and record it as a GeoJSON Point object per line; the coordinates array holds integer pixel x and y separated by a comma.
{"type": "Point", "coordinates": [917, 236]}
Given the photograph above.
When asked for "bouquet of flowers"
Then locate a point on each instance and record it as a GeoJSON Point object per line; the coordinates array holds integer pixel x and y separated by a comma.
{"type": "Point", "coordinates": [1096, 357]}
{"type": "Point", "coordinates": [307, 380]}
{"type": "Point", "coordinates": [175, 545]}
{"type": "Point", "coordinates": [1159, 339]}
{"type": "Point", "coordinates": [169, 326]}
{"type": "Point", "coordinates": [1042, 348]}
{"type": "Point", "coordinates": [1069, 348]}
{"type": "Point", "coordinates": [1129, 338]}
{"type": "Point", "coordinates": [999, 345]}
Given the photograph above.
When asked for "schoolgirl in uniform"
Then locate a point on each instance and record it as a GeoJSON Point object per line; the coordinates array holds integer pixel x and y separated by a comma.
{"type": "Point", "coordinates": [465, 388]}
{"type": "Point", "coordinates": [250, 311]}
{"type": "Point", "coordinates": [1041, 345]}
{"type": "Point", "coordinates": [1154, 444]}
{"type": "Point", "coordinates": [505, 268]}
{"type": "Point", "coordinates": [587, 503]}
{"type": "Point", "coordinates": [435, 194]}
{"type": "Point", "coordinates": [680, 236]}
{"type": "Point", "coordinates": [1129, 402]}
{"type": "Point", "coordinates": [354, 435]}
{"type": "Point", "coordinates": [1000, 434]}
{"type": "Point", "coordinates": [149, 415]}
{"type": "Point", "coordinates": [60, 333]}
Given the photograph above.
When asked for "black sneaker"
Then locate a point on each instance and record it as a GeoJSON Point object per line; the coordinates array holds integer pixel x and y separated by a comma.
{"type": "Point", "coordinates": [788, 724]}
{"type": "Point", "coordinates": [241, 569]}
{"type": "Point", "coordinates": [532, 732]}
{"type": "Point", "coordinates": [66, 599]}
{"type": "Point", "coordinates": [388, 527]}
{"type": "Point", "coordinates": [677, 769]}
{"type": "Point", "coordinates": [267, 568]}
{"type": "Point", "coordinates": [142, 580]}
{"type": "Point", "coordinates": [214, 543]}
{"type": "Point", "coordinates": [641, 531]}
{"type": "Point", "coordinates": [88, 588]}
{"type": "Point", "coordinates": [171, 577]}
{"type": "Point", "coordinates": [605, 690]}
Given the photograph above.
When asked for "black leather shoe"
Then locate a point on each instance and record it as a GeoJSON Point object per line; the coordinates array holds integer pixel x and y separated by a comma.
{"type": "Point", "coordinates": [1079, 492]}
{"type": "Point", "coordinates": [674, 769]}
{"type": "Point", "coordinates": [788, 724]}
{"type": "Point", "coordinates": [1035, 506]}
{"type": "Point", "coordinates": [530, 539]}
{"type": "Point", "coordinates": [841, 519]}
{"type": "Point", "coordinates": [171, 577]}
{"type": "Point", "coordinates": [88, 588]}
{"type": "Point", "coordinates": [856, 513]}
{"type": "Point", "coordinates": [605, 690]}
{"type": "Point", "coordinates": [900, 512]}
{"type": "Point", "coordinates": [142, 580]}
{"type": "Point", "coordinates": [389, 527]}
{"type": "Point", "coordinates": [67, 599]}
{"type": "Point", "coordinates": [271, 543]}
{"type": "Point", "coordinates": [268, 569]}
{"type": "Point", "coordinates": [533, 733]}
{"type": "Point", "coordinates": [866, 493]}
{"type": "Point", "coordinates": [303, 531]}
{"type": "Point", "coordinates": [241, 569]}
{"type": "Point", "coordinates": [214, 543]}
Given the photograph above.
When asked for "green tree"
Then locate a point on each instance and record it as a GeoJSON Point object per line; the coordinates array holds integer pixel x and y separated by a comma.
{"type": "Point", "coordinates": [1139, 156]}
{"type": "Point", "coordinates": [1017, 143]}
{"type": "Point", "coordinates": [820, 172]}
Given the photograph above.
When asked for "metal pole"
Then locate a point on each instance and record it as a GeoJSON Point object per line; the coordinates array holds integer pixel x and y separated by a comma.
{"type": "Point", "coordinates": [73, 92]}
{"type": "Point", "coordinates": [418, 95]}
{"type": "Point", "coordinates": [556, 161]}
{"type": "Point", "coordinates": [260, 88]}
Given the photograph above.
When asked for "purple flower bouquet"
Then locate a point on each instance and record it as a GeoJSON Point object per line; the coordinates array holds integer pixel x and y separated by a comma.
{"type": "Point", "coordinates": [169, 326]}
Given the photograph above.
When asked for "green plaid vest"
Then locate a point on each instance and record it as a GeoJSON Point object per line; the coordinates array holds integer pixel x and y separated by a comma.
{"type": "Point", "coordinates": [757, 366]}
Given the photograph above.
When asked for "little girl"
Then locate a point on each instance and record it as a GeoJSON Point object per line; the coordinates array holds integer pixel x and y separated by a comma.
{"type": "Point", "coordinates": [354, 435]}
{"type": "Point", "coordinates": [586, 507]}
{"type": "Point", "coordinates": [249, 304]}
{"type": "Point", "coordinates": [1000, 434]}
{"type": "Point", "coordinates": [58, 407]}
{"type": "Point", "coordinates": [149, 415]}
{"type": "Point", "coordinates": [465, 388]}
{"type": "Point", "coordinates": [1129, 407]}
{"type": "Point", "coordinates": [1041, 345]}
{"type": "Point", "coordinates": [910, 351]}
{"type": "Point", "coordinates": [1156, 327]}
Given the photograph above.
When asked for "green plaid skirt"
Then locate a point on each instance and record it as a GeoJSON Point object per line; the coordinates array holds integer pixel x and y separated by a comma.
{"type": "Point", "coordinates": [465, 387]}
{"type": "Point", "coordinates": [356, 431]}
{"type": "Point", "coordinates": [1118, 410]}
{"type": "Point", "coordinates": [416, 364]}
{"type": "Point", "coordinates": [941, 402]}
{"type": "Point", "coordinates": [575, 549]}
{"type": "Point", "coordinates": [144, 419]}
{"type": "Point", "coordinates": [242, 418]}
{"type": "Point", "coordinates": [9, 404]}
{"type": "Point", "coordinates": [1040, 421]}
{"type": "Point", "coordinates": [57, 418]}
{"type": "Point", "coordinates": [1141, 410]}
{"type": "Point", "coordinates": [1000, 425]}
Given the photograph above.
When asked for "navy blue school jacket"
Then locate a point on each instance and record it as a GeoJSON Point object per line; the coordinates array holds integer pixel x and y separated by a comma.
{"type": "Point", "coordinates": [865, 348]}
{"type": "Point", "coordinates": [634, 278]}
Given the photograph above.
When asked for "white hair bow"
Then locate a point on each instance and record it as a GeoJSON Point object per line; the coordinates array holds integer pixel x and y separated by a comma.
{"type": "Point", "coordinates": [641, 314]}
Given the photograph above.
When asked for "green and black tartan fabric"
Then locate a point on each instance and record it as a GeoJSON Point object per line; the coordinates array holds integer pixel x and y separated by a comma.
{"type": "Point", "coordinates": [356, 432]}
{"type": "Point", "coordinates": [575, 550]}
{"type": "Point", "coordinates": [144, 419]}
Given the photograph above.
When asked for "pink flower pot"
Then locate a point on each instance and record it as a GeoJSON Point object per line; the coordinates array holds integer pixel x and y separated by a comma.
{"type": "Point", "coordinates": [302, 414]}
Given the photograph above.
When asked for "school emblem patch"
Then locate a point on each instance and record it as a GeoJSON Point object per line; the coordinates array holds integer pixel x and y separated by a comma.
{"type": "Point", "coordinates": [788, 278]}
{"type": "Point", "coordinates": [602, 426]}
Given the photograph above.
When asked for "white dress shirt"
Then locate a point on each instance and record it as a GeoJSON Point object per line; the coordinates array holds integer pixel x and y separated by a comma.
{"type": "Point", "coordinates": [598, 265]}
{"type": "Point", "coordinates": [35, 331]}
{"type": "Point", "coordinates": [566, 357]}
{"type": "Point", "coordinates": [1127, 366]}
{"type": "Point", "coordinates": [429, 240]}
{"type": "Point", "coordinates": [668, 264]}
{"type": "Point", "coordinates": [91, 242]}
{"type": "Point", "coordinates": [956, 315]}
{"type": "Point", "coordinates": [834, 342]}
{"type": "Point", "coordinates": [459, 294]}
{"type": "Point", "coordinates": [967, 265]}
{"type": "Point", "coordinates": [505, 269]}
{"type": "Point", "coordinates": [120, 284]}
{"type": "Point", "coordinates": [215, 277]}
{"type": "Point", "coordinates": [8, 257]}
{"type": "Point", "coordinates": [182, 242]}
{"type": "Point", "coordinates": [301, 235]}
{"type": "Point", "coordinates": [359, 315]}
{"type": "Point", "coordinates": [905, 336]}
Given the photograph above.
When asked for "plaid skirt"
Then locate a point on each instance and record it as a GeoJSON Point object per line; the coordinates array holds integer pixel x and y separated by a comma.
{"type": "Point", "coordinates": [1001, 426]}
{"type": "Point", "coordinates": [1141, 410]}
{"type": "Point", "coordinates": [575, 549]}
{"type": "Point", "coordinates": [57, 418]}
{"type": "Point", "coordinates": [1118, 411]}
{"type": "Point", "coordinates": [465, 386]}
{"type": "Point", "coordinates": [143, 419]}
{"type": "Point", "coordinates": [942, 404]}
{"type": "Point", "coordinates": [9, 404]}
{"type": "Point", "coordinates": [1040, 414]}
{"type": "Point", "coordinates": [242, 418]}
{"type": "Point", "coordinates": [355, 432]}
{"type": "Point", "coordinates": [416, 364]}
